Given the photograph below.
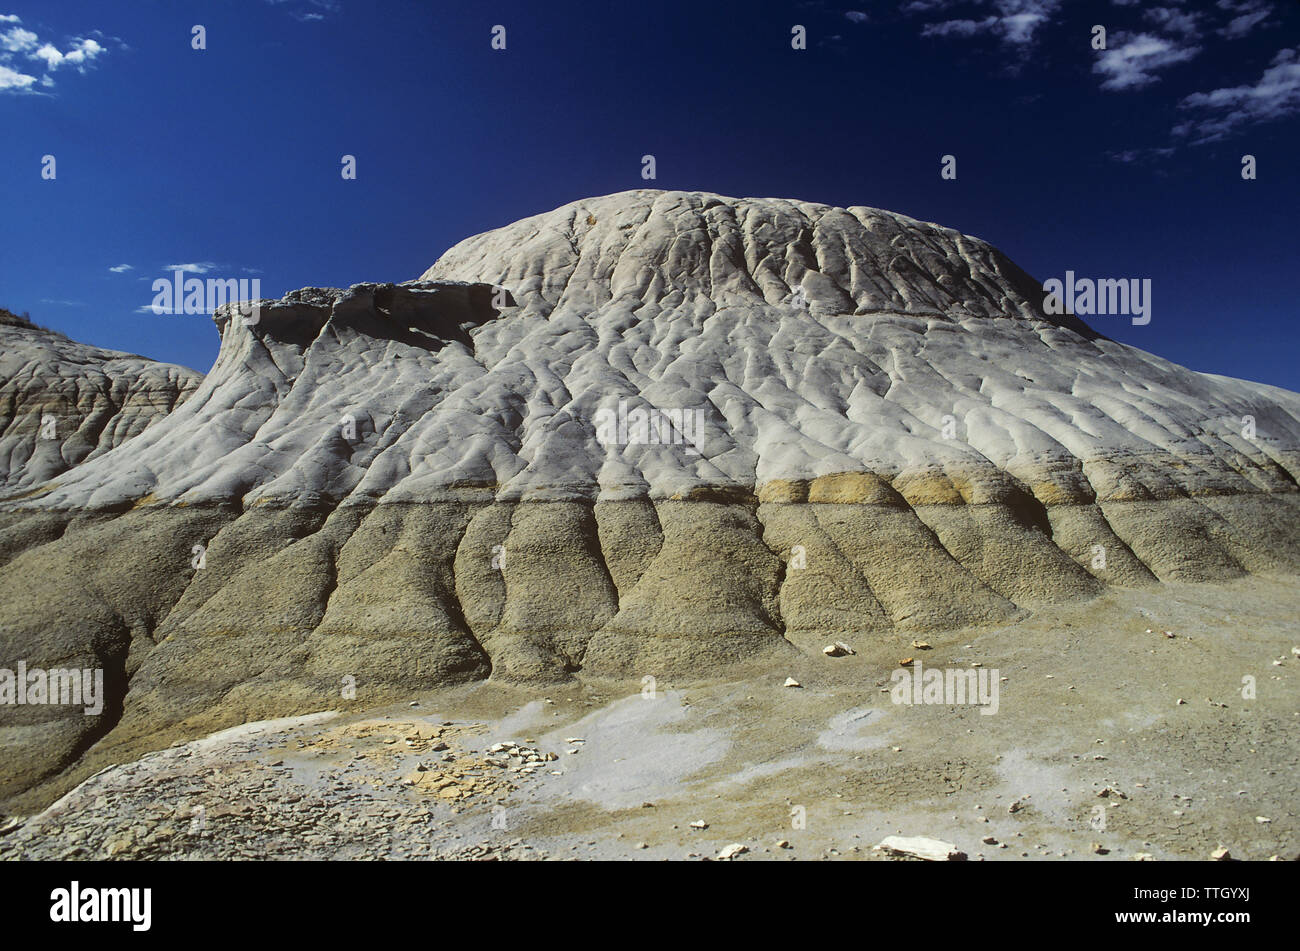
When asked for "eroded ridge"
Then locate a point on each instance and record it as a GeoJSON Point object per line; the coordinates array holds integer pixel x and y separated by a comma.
{"type": "Point", "coordinates": [469, 475]}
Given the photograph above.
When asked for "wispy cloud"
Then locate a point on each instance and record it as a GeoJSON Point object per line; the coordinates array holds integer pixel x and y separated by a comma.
{"type": "Point", "coordinates": [958, 27]}
{"type": "Point", "coordinates": [1014, 22]}
{"type": "Point", "coordinates": [856, 16]}
{"type": "Point", "coordinates": [1132, 59]}
{"type": "Point", "coordinates": [1246, 15]}
{"type": "Point", "coordinates": [1220, 112]}
{"type": "Point", "coordinates": [200, 267]}
{"type": "Point", "coordinates": [1174, 20]}
{"type": "Point", "coordinates": [1139, 156]}
{"type": "Point", "coordinates": [120, 268]}
{"type": "Point", "coordinates": [307, 11]}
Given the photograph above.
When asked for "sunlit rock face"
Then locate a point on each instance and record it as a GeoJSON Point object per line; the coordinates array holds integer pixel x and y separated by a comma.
{"type": "Point", "coordinates": [62, 402]}
{"type": "Point", "coordinates": [641, 435]}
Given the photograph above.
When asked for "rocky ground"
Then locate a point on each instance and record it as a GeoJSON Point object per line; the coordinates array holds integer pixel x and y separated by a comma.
{"type": "Point", "coordinates": [1121, 733]}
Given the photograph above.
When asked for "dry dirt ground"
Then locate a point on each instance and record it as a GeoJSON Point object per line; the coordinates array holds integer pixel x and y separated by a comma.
{"type": "Point", "coordinates": [1089, 701]}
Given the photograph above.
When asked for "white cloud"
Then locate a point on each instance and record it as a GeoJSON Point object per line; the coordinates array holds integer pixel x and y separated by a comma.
{"type": "Point", "coordinates": [200, 267]}
{"type": "Point", "coordinates": [1240, 26]}
{"type": "Point", "coordinates": [121, 268]}
{"type": "Point", "coordinates": [1133, 58]}
{"type": "Point", "coordinates": [1014, 22]}
{"type": "Point", "coordinates": [17, 40]}
{"type": "Point", "coordinates": [1275, 95]}
{"type": "Point", "coordinates": [958, 27]}
{"type": "Point", "coordinates": [10, 18]}
{"type": "Point", "coordinates": [50, 54]}
{"type": "Point", "coordinates": [13, 80]}
{"type": "Point", "coordinates": [1128, 156]}
{"type": "Point", "coordinates": [308, 10]}
{"type": "Point", "coordinates": [1249, 14]}
{"type": "Point", "coordinates": [1019, 28]}
{"type": "Point", "coordinates": [857, 16]}
{"type": "Point", "coordinates": [82, 52]}
{"type": "Point", "coordinates": [1173, 20]}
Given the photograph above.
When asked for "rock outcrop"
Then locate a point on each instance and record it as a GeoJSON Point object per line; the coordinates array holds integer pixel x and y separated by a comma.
{"type": "Point", "coordinates": [643, 434]}
{"type": "Point", "coordinates": [63, 402]}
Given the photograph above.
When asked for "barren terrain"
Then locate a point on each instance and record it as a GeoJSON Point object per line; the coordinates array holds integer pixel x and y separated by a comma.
{"type": "Point", "coordinates": [599, 768]}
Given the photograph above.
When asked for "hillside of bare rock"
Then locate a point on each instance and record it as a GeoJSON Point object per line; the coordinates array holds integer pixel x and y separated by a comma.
{"type": "Point", "coordinates": [63, 402]}
{"type": "Point", "coordinates": [647, 434]}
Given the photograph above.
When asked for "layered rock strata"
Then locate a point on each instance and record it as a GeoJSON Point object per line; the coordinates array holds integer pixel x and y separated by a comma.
{"type": "Point", "coordinates": [643, 434]}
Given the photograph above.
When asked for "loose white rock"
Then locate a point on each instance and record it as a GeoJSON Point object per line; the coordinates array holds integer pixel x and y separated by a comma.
{"type": "Point", "coordinates": [932, 850]}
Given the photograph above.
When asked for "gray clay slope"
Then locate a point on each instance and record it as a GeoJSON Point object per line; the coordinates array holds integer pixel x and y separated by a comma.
{"type": "Point", "coordinates": [404, 484]}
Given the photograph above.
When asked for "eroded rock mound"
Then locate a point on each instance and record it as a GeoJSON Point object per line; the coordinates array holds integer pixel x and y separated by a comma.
{"type": "Point", "coordinates": [641, 434]}
{"type": "Point", "coordinates": [63, 402]}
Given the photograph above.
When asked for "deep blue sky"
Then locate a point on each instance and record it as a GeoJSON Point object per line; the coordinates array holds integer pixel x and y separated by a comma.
{"type": "Point", "coordinates": [231, 155]}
